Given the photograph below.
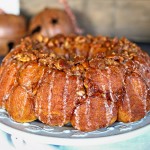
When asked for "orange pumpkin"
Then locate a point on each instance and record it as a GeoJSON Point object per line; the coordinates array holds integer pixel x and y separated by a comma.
{"type": "Point", "coordinates": [12, 29]}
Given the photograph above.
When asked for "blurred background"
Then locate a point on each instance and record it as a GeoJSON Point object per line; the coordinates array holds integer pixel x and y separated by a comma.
{"type": "Point", "coordinates": [129, 18]}
{"type": "Point", "coordinates": [121, 18]}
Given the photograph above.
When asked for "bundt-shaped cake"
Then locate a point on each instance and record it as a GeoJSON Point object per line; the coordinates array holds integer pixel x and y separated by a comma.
{"type": "Point", "coordinates": [88, 81]}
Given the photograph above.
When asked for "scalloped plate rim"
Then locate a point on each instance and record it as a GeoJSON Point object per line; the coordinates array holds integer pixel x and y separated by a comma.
{"type": "Point", "coordinates": [27, 137]}
{"type": "Point", "coordinates": [44, 139]}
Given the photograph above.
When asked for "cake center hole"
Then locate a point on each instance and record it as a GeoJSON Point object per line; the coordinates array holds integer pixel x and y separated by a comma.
{"type": "Point", "coordinates": [54, 21]}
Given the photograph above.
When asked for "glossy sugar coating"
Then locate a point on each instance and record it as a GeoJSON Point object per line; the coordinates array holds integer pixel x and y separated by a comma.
{"type": "Point", "coordinates": [88, 81]}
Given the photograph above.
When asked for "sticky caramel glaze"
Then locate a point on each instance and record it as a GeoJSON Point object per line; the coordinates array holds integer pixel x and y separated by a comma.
{"type": "Point", "coordinates": [96, 112]}
{"type": "Point", "coordinates": [20, 105]}
{"type": "Point", "coordinates": [88, 81]}
{"type": "Point", "coordinates": [7, 82]}
{"type": "Point", "coordinates": [56, 98]}
{"type": "Point", "coordinates": [29, 75]}
{"type": "Point", "coordinates": [135, 96]}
